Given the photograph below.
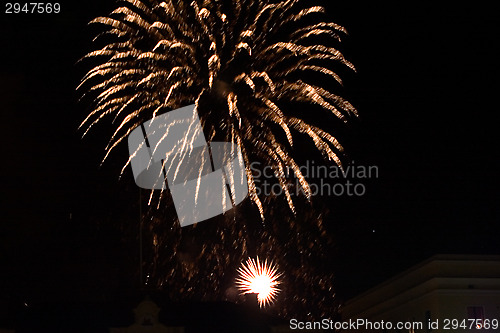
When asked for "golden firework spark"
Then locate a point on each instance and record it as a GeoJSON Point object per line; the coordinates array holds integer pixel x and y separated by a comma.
{"type": "Point", "coordinates": [263, 75]}
{"type": "Point", "coordinates": [241, 62]}
{"type": "Point", "coordinates": [259, 278]}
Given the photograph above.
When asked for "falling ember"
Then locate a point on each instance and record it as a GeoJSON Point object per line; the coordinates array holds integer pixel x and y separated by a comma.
{"type": "Point", "coordinates": [259, 278]}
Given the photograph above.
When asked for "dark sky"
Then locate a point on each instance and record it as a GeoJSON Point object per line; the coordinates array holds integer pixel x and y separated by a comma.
{"type": "Point", "coordinates": [426, 89]}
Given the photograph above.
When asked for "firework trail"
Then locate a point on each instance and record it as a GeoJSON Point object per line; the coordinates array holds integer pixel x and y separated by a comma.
{"type": "Point", "coordinates": [242, 63]}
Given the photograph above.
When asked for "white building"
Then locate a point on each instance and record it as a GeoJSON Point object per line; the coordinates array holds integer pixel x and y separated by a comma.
{"type": "Point", "coordinates": [446, 293]}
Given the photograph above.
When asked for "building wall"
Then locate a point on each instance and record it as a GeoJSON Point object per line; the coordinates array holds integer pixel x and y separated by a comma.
{"type": "Point", "coordinates": [443, 288]}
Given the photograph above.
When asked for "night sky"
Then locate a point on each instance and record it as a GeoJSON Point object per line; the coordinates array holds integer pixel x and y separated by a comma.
{"type": "Point", "coordinates": [426, 88]}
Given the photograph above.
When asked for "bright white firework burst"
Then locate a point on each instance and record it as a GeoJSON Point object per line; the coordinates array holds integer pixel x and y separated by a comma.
{"type": "Point", "coordinates": [259, 278]}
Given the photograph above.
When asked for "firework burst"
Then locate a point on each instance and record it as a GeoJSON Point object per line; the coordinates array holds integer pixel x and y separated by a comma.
{"type": "Point", "coordinates": [259, 278]}
{"type": "Point", "coordinates": [240, 62]}
{"type": "Point", "coordinates": [250, 67]}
